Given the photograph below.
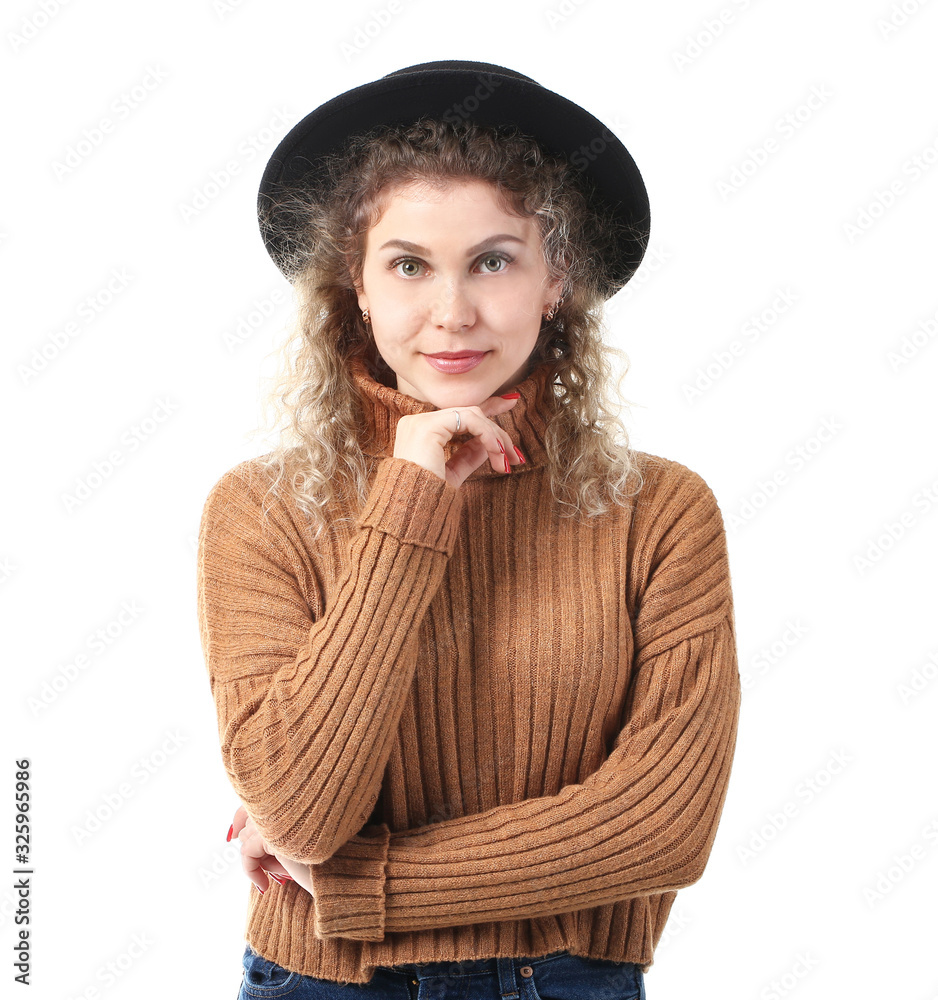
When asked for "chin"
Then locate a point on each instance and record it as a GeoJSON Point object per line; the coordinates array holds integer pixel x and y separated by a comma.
{"type": "Point", "coordinates": [442, 396]}
{"type": "Point", "coordinates": [442, 400]}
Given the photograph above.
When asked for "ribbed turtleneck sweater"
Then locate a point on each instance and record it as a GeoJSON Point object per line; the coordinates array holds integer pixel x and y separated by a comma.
{"type": "Point", "coordinates": [490, 730]}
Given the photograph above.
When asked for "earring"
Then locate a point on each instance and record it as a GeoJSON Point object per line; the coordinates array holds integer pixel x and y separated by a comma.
{"type": "Point", "coordinates": [553, 309]}
{"type": "Point", "coordinates": [365, 316]}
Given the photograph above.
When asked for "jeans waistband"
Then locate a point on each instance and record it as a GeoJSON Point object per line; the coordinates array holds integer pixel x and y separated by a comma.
{"type": "Point", "coordinates": [505, 968]}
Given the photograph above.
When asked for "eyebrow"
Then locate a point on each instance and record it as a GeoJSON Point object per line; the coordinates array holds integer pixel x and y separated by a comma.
{"type": "Point", "coordinates": [484, 244]}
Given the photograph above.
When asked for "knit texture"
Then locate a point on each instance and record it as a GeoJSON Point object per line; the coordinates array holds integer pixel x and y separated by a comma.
{"type": "Point", "coordinates": [489, 730]}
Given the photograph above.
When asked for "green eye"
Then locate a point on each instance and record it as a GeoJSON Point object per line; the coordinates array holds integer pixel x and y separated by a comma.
{"type": "Point", "coordinates": [499, 258]}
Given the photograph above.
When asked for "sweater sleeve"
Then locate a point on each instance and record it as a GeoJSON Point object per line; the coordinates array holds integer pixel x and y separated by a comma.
{"type": "Point", "coordinates": [307, 709]}
{"type": "Point", "coordinates": [643, 823]}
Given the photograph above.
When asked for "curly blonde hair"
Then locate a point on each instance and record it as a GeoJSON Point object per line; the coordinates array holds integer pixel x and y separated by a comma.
{"type": "Point", "coordinates": [317, 414]}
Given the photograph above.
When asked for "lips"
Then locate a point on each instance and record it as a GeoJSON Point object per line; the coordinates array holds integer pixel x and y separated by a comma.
{"type": "Point", "coordinates": [455, 362]}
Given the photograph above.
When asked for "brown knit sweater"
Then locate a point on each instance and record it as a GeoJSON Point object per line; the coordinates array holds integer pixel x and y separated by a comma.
{"type": "Point", "coordinates": [490, 730]}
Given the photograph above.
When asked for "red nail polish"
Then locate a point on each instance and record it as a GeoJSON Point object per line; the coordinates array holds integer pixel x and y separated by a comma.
{"type": "Point", "coordinates": [502, 450]}
{"type": "Point", "coordinates": [277, 878]}
{"type": "Point", "coordinates": [259, 889]}
{"type": "Point", "coordinates": [518, 453]}
{"type": "Point", "coordinates": [230, 832]}
{"type": "Point", "coordinates": [512, 395]}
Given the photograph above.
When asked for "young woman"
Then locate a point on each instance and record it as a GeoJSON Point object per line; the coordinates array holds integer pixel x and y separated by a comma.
{"type": "Point", "coordinates": [473, 657]}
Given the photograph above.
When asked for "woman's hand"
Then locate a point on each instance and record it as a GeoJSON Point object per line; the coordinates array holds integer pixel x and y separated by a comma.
{"type": "Point", "coordinates": [421, 437]}
{"type": "Point", "coordinates": [258, 859]}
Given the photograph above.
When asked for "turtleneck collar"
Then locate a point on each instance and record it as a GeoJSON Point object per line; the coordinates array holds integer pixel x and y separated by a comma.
{"type": "Point", "coordinates": [525, 422]}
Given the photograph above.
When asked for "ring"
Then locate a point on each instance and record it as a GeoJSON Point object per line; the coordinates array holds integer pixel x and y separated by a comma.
{"type": "Point", "coordinates": [458, 422]}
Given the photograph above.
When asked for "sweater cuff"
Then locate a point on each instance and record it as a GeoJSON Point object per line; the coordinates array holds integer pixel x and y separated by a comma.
{"type": "Point", "coordinates": [348, 887]}
{"type": "Point", "coordinates": [413, 504]}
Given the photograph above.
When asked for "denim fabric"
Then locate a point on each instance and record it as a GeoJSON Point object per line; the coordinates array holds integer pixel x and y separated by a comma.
{"type": "Point", "coordinates": [557, 976]}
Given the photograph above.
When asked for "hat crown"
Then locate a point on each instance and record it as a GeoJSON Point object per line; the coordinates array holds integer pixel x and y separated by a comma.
{"type": "Point", "coordinates": [457, 65]}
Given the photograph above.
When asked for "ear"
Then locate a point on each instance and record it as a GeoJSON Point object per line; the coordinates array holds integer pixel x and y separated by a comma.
{"type": "Point", "coordinates": [553, 292]}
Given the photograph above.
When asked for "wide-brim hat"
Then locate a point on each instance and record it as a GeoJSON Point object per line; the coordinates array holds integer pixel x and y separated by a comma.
{"type": "Point", "coordinates": [489, 94]}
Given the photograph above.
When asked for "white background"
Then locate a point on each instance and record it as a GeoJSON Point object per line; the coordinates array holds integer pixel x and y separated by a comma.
{"type": "Point", "coordinates": [121, 308]}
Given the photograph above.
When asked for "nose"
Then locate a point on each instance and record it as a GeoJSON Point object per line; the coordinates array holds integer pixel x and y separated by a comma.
{"type": "Point", "coordinates": [452, 307]}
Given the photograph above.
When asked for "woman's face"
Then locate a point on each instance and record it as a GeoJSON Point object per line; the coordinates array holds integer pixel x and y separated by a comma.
{"type": "Point", "coordinates": [448, 271]}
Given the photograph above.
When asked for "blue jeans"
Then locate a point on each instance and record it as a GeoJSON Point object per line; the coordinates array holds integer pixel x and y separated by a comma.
{"type": "Point", "coordinates": [557, 976]}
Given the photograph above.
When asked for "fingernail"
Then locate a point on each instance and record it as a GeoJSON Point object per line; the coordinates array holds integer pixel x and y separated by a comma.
{"type": "Point", "coordinates": [518, 453]}
{"type": "Point", "coordinates": [277, 878]}
{"type": "Point", "coordinates": [502, 450]}
{"type": "Point", "coordinates": [512, 395]}
{"type": "Point", "coordinates": [230, 832]}
{"type": "Point", "coordinates": [259, 889]}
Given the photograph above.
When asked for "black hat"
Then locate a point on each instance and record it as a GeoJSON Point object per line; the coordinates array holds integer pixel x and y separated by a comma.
{"type": "Point", "coordinates": [489, 94]}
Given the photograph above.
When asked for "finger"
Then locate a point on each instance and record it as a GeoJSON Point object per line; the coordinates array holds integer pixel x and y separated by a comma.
{"type": "Point", "coordinates": [498, 445]}
{"type": "Point", "coordinates": [254, 869]}
{"type": "Point", "coordinates": [491, 407]}
{"type": "Point", "coordinates": [492, 444]}
{"type": "Point", "coordinates": [277, 871]}
{"type": "Point", "coordinates": [464, 461]}
{"type": "Point", "coordinates": [237, 824]}
{"type": "Point", "coordinates": [495, 405]}
{"type": "Point", "coordinates": [495, 440]}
